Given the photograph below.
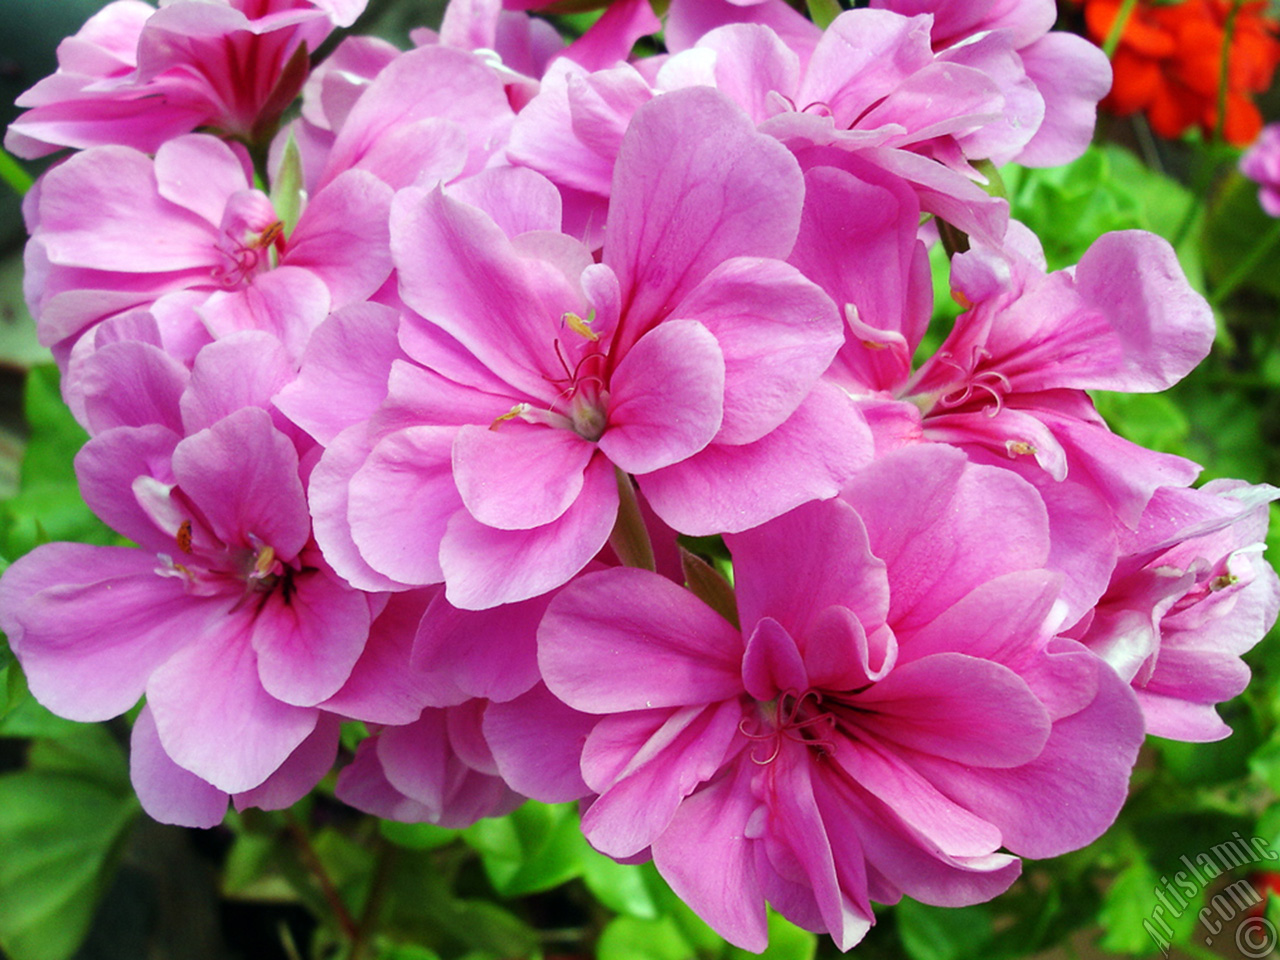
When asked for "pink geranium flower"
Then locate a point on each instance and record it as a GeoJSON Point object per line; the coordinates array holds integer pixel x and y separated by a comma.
{"type": "Point", "coordinates": [138, 77]}
{"type": "Point", "coordinates": [1261, 164]}
{"type": "Point", "coordinates": [890, 715]}
{"type": "Point", "coordinates": [1070, 74]}
{"type": "Point", "coordinates": [1189, 596]}
{"type": "Point", "coordinates": [437, 769]}
{"type": "Point", "coordinates": [688, 358]}
{"type": "Point", "coordinates": [114, 230]}
{"type": "Point", "coordinates": [227, 618]}
{"type": "Point", "coordinates": [1009, 383]}
{"type": "Point", "coordinates": [868, 88]}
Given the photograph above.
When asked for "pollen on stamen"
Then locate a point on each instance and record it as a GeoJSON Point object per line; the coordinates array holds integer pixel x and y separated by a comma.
{"type": "Point", "coordinates": [1019, 448]}
{"type": "Point", "coordinates": [511, 414]}
{"type": "Point", "coordinates": [265, 561]}
{"type": "Point", "coordinates": [184, 536]}
{"type": "Point", "coordinates": [580, 326]}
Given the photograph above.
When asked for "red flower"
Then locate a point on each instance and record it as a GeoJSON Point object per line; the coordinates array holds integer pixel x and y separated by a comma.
{"type": "Point", "coordinates": [1169, 64]}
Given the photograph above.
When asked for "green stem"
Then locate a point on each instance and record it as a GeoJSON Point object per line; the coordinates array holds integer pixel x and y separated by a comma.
{"type": "Point", "coordinates": [1208, 168]}
{"type": "Point", "coordinates": [953, 239]}
{"type": "Point", "coordinates": [630, 537]}
{"type": "Point", "coordinates": [370, 915]}
{"type": "Point", "coordinates": [311, 860]}
{"type": "Point", "coordinates": [1246, 266]}
{"type": "Point", "coordinates": [1188, 218]}
{"type": "Point", "coordinates": [1224, 65]}
{"type": "Point", "coordinates": [1117, 28]}
{"type": "Point", "coordinates": [13, 174]}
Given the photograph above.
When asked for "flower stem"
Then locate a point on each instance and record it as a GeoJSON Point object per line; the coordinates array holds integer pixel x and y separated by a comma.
{"type": "Point", "coordinates": [1117, 28]}
{"type": "Point", "coordinates": [1246, 266]}
{"type": "Point", "coordinates": [370, 915]}
{"type": "Point", "coordinates": [1224, 65]}
{"type": "Point", "coordinates": [630, 537]}
{"type": "Point", "coordinates": [311, 860]}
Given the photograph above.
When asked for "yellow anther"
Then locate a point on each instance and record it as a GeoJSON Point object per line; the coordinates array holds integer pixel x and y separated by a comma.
{"type": "Point", "coordinates": [1019, 447]}
{"type": "Point", "coordinates": [265, 561]}
{"type": "Point", "coordinates": [580, 326]}
{"type": "Point", "coordinates": [268, 236]}
{"type": "Point", "coordinates": [1224, 581]}
{"type": "Point", "coordinates": [511, 414]}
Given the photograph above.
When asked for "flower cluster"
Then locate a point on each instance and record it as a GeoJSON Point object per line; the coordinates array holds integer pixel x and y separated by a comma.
{"type": "Point", "coordinates": [1171, 63]}
{"type": "Point", "coordinates": [413, 408]}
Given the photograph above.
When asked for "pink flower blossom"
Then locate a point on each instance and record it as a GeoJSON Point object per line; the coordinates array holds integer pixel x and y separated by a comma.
{"type": "Point", "coordinates": [1190, 595]}
{"type": "Point", "coordinates": [437, 769]}
{"type": "Point", "coordinates": [227, 618]}
{"type": "Point", "coordinates": [138, 77]}
{"type": "Point", "coordinates": [1261, 164]}
{"type": "Point", "coordinates": [1008, 384]}
{"type": "Point", "coordinates": [1070, 74]}
{"type": "Point", "coordinates": [867, 90]}
{"type": "Point", "coordinates": [892, 712]}
{"type": "Point", "coordinates": [114, 230]}
{"type": "Point", "coordinates": [688, 358]}
{"type": "Point", "coordinates": [172, 794]}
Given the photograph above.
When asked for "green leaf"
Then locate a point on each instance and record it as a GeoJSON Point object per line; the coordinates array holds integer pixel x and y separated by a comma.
{"type": "Point", "coordinates": [55, 435]}
{"type": "Point", "coordinates": [85, 750]}
{"type": "Point", "coordinates": [12, 173]}
{"type": "Point", "coordinates": [405, 952]}
{"type": "Point", "coordinates": [786, 942]}
{"type": "Point", "coordinates": [422, 908]}
{"type": "Point", "coordinates": [1151, 420]}
{"type": "Point", "coordinates": [252, 871]}
{"type": "Point", "coordinates": [1129, 915]}
{"type": "Point", "coordinates": [822, 12]}
{"type": "Point", "coordinates": [48, 505]}
{"type": "Point", "coordinates": [941, 933]}
{"type": "Point", "coordinates": [28, 718]}
{"type": "Point", "coordinates": [536, 848]}
{"type": "Point", "coordinates": [631, 938]}
{"type": "Point", "coordinates": [1219, 761]}
{"type": "Point", "coordinates": [619, 886]}
{"type": "Point", "coordinates": [1235, 224]}
{"type": "Point", "coordinates": [417, 836]}
{"type": "Point", "coordinates": [59, 833]}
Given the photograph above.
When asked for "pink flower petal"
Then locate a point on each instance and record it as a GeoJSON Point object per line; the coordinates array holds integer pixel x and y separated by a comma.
{"type": "Point", "coordinates": [484, 566]}
{"type": "Point", "coordinates": [705, 855]}
{"type": "Point", "coordinates": [778, 333]}
{"type": "Point", "coordinates": [537, 742]}
{"type": "Point", "coordinates": [243, 475]}
{"type": "Point", "coordinates": [645, 764]}
{"type": "Point", "coordinates": [401, 499]}
{"type": "Point", "coordinates": [519, 475]}
{"type": "Point", "coordinates": [213, 716]}
{"type": "Point", "coordinates": [681, 206]}
{"type": "Point", "coordinates": [628, 639]}
{"type": "Point", "coordinates": [90, 625]}
{"type": "Point", "coordinates": [167, 792]}
{"type": "Point", "coordinates": [308, 636]}
{"type": "Point", "coordinates": [733, 488]}
{"type": "Point", "coordinates": [666, 398]}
